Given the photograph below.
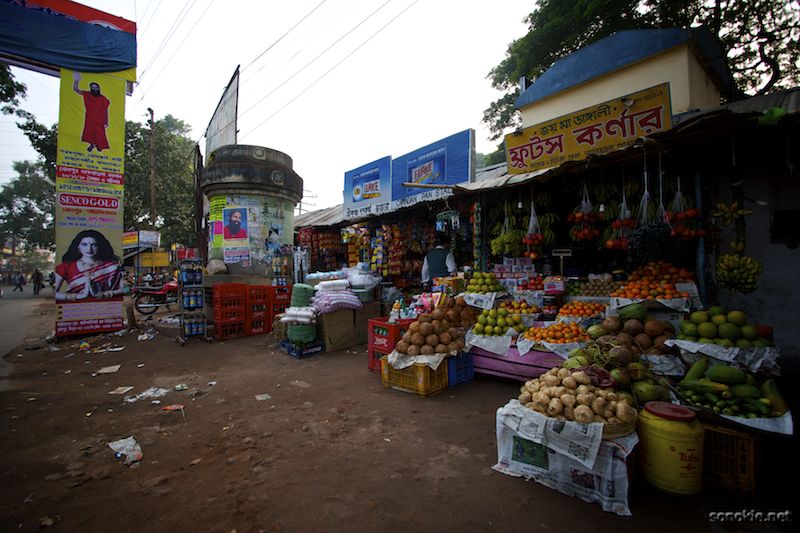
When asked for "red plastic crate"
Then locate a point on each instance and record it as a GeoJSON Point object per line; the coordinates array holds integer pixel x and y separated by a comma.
{"type": "Point", "coordinates": [225, 290]}
{"type": "Point", "coordinates": [279, 294]}
{"type": "Point", "coordinates": [257, 327]}
{"type": "Point", "coordinates": [384, 336]}
{"type": "Point", "coordinates": [229, 331]}
{"type": "Point", "coordinates": [257, 294]}
{"type": "Point", "coordinates": [374, 359]}
{"type": "Point", "coordinates": [229, 315]}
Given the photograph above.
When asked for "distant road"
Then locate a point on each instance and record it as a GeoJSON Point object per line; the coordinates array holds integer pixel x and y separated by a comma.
{"type": "Point", "coordinates": [19, 320]}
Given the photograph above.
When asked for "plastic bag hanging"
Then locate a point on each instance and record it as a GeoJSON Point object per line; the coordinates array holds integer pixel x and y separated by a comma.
{"type": "Point", "coordinates": [534, 234]}
{"type": "Point", "coordinates": [621, 227]}
{"type": "Point", "coordinates": [643, 216]}
{"type": "Point", "coordinates": [661, 214]}
{"type": "Point", "coordinates": [650, 241]}
{"type": "Point", "coordinates": [583, 219]}
{"type": "Point", "coordinates": [685, 221]}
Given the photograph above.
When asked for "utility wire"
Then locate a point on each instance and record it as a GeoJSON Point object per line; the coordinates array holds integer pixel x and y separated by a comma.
{"type": "Point", "coordinates": [301, 69]}
{"type": "Point", "coordinates": [181, 15]}
{"type": "Point", "coordinates": [301, 93]}
{"type": "Point", "coordinates": [146, 26]}
{"type": "Point", "coordinates": [282, 36]}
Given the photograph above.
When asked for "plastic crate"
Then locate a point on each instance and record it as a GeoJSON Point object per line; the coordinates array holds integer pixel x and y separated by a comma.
{"type": "Point", "coordinates": [257, 294]}
{"type": "Point", "coordinates": [304, 351]}
{"type": "Point", "coordinates": [257, 326]}
{"type": "Point", "coordinates": [257, 312]}
{"type": "Point", "coordinates": [730, 459]}
{"type": "Point", "coordinates": [460, 369]}
{"type": "Point", "coordinates": [417, 378]}
{"type": "Point", "coordinates": [229, 331]}
{"type": "Point", "coordinates": [229, 315]}
{"type": "Point", "coordinates": [225, 290]}
{"type": "Point", "coordinates": [384, 336]}
{"type": "Point", "coordinates": [374, 356]}
{"type": "Point", "coordinates": [279, 294]}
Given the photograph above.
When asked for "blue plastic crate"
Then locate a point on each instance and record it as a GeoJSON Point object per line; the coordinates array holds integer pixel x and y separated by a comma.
{"type": "Point", "coordinates": [460, 369]}
{"type": "Point", "coordinates": [299, 352]}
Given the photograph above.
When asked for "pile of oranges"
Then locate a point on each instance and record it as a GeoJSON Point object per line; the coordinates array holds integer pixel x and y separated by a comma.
{"type": "Point", "coordinates": [656, 271]}
{"type": "Point", "coordinates": [649, 290]}
{"type": "Point", "coordinates": [558, 333]}
{"type": "Point", "coordinates": [582, 309]}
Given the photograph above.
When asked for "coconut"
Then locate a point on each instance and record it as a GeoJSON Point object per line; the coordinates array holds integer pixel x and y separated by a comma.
{"type": "Point", "coordinates": [407, 337]}
{"type": "Point", "coordinates": [460, 343]}
{"type": "Point", "coordinates": [432, 339]}
{"type": "Point", "coordinates": [425, 317]}
{"type": "Point", "coordinates": [417, 339]}
{"type": "Point", "coordinates": [624, 339]}
{"type": "Point", "coordinates": [653, 350]}
{"type": "Point", "coordinates": [426, 350]}
{"type": "Point", "coordinates": [437, 314]}
{"type": "Point", "coordinates": [461, 302]}
{"type": "Point", "coordinates": [413, 350]}
{"type": "Point", "coordinates": [606, 341]}
{"type": "Point", "coordinates": [414, 327]}
{"type": "Point", "coordinates": [453, 347]}
{"type": "Point", "coordinates": [653, 328]}
{"type": "Point", "coordinates": [402, 347]}
{"type": "Point", "coordinates": [596, 331]}
{"type": "Point", "coordinates": [437, 327]}
{"type": "Point", "coordinates": [643, 340]}
{"type": "Point", "coordinates": [451, 315]}
{"type": "Point", "coordinates": [612, 324]}
{"type": "Point", "coordinates": [454, 333]}
{"type": "Point", "coordinates": [440, 348]}
{"type": "Point", "coordinates": [620, 356]}
{"type": "Point", "coordinates": [445, 325]}
{"type": "Point", "coordinates": [658, 342]}
{"type": "Point", "coordinates": [632, 327]}
{"type": "Point", "coordinates": [426, 328]}
{"type": "Point", "coordinates": [445, 338]}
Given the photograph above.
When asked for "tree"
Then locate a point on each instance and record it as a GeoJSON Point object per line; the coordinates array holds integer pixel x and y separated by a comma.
{"type": "Point", "coordinates": [27, 206]}
{"type": "Point", "coordinates": [10, 92]}
{"type": "Point", "coordinates": [756, 36]}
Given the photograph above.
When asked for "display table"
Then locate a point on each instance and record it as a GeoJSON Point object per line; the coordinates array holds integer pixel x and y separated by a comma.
{"type": "Point", "coordinates": [513, 365]}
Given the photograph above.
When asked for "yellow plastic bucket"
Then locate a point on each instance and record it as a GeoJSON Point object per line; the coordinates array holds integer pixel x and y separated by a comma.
{"type": "Point", "coordinates": [671, 448]}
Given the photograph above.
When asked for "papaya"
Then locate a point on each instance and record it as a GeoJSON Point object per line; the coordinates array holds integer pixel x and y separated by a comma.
{"type": "Point", "coordinates": [633, 311]}
{"type": "Point", "coordinates": [743, 390]}
{"type": "Point", "coordinates": [698, 369]}
{"type": "Point", "coordinates": [769, 389]}
{"type": "Point", "coordinates": [703, 385]}
{"type": "Point", "coordinates": [726, 374]}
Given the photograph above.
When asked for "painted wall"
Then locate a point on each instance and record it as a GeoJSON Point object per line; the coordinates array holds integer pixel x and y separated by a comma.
{"type": "Point", "coordinates": [690, 87]}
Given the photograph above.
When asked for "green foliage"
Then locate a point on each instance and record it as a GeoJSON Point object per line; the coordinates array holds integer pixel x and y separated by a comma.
{"type": "Point", "coordinates": [27, 205]}
{"type": "Point", "coordinates": [10, 92]}
{"type": "Point", "coordinates": [756, 36]}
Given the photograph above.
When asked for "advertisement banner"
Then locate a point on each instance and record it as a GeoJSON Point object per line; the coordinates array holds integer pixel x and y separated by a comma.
{"type": "Point", "coordinates": [248, 228]}
{"type": "Point", "coordinates": [221, 129]}
{"type": "Point", "coordinates": [595, 130]}
{"type": "Point", "coordinates": [89, 200]}
{"type": "Point", "coordinates": [446, 162]}
{"type": "Point", "coordinates": [154, 259]}
{"type": "Point", "coordinates": [368, 189]}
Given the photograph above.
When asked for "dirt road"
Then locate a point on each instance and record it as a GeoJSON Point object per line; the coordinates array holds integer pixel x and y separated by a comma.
{"type": "Point", "coordinates": [332, 450]}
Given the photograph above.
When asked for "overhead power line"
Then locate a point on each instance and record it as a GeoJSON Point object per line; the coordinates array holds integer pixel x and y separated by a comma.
{"type": "Point", "coordinates": [301, 93]}
{"type": "Point", "coordinates": [178, 20]}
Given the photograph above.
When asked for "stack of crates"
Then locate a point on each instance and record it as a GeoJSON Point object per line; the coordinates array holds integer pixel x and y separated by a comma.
{"type": "Point", "coordinates": [382, 337]}
{"type": "Point", "coordinates": [731, 459]}
{"type": "Point", "coordinates": [257, 312]}
{"type": "Point", "coordinates": [460, 369]}
{"type": "Point", "coordinates": [278, 299]}
{"type": "Point", "coordinates": [230, 301]}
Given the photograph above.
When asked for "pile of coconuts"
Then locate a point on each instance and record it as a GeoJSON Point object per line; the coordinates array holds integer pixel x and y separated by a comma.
{"type": "Point", "coordinates": [646, 337]}
{"type": "Point", "coordinates": [440, 331]}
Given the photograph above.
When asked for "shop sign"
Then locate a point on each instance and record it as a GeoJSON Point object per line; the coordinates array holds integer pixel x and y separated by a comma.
{"type": "Point", "coordinates": [154, 259]}
{"type": "Point", "coordinates": [445, 162]}
{"type": "Point", "coordinates": [367, 189]}
{"type": "Point", "coordinates": [594, 130]}
{"type": "Point", "coordinates": [90, 173]}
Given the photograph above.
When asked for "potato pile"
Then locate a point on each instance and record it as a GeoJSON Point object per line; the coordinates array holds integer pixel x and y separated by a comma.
{"type": "Point", "coordinates": [441, 331]}
{"type": "Point", "coordinates": [566, 395]}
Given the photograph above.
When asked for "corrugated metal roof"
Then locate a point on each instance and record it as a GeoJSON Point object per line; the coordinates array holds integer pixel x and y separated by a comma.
{"type": "Point", "coordinates": [329, 216]}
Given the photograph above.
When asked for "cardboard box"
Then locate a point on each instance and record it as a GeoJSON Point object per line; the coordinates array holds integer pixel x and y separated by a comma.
{"type": "Point", "coordinates": [529, 268]}
{"type": "Point", "coordinates": [508, 261]}
{"type": "Point", "coordinates": [369, 310]}
{"type": "Point", "coordinates": [502, 269]}
{"type": "Point", "coordinates": [337, 330]}
{"type": "Point", "coordinates": [524, 261]}
{"type": "Point", "coordinates": [516, 268]}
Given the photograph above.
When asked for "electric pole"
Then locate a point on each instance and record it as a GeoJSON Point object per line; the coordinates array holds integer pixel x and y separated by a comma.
{"type": "Point", "coordinates": [152, 170]}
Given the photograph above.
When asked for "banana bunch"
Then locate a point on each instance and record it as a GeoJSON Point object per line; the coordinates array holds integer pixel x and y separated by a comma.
{"type": "Point", "coordinates": [729, 213]}
{"type": "Point", "coordinates": [738, 272]}
{"type": "Point", "coordinates": [737, 247]}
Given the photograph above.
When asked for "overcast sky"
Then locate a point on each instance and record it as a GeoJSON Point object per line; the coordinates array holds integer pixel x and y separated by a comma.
{"type": "Point", "coordinates": [354, 81]}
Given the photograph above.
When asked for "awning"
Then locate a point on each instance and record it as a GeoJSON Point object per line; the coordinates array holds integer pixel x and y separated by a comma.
{"type": "Point", "coordinates": [329, 216]}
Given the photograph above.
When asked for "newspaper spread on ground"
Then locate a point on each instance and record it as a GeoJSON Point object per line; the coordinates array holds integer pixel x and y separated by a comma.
{"type": "Point", "coordinates": [780, 424]}
{"type": "Point", "coordinates": [491, 343]}
{"type": "Point", "coordinates": [753, 359]}
{"type": "Point", "coordinates": [400, 361]}
{"type": "Point", "coordinates": [520, 452]}
{"type": "Point", "coordinates": [664, 365]}
{"type": "Point", "coordinates": [562, 350]}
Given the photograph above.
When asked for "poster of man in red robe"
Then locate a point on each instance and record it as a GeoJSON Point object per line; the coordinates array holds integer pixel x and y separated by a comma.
{"type": "Point", "coordinates": [96, 117]}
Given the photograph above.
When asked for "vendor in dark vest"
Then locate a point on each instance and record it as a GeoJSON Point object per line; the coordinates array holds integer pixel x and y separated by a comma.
{"type": "Point", "coordinates": [439, 262]}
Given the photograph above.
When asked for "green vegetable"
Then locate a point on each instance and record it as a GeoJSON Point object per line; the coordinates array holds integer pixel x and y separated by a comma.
{"type": "Point", "coordinates": [698, 369]}
{"type": "Point", "coordinates": [636, 311]}
{"type": "Point", "coordinates": [769, 389]}
{"type": "Point", "coordinates": [754, 406]}
{"type": "Point", "coordinates": [703, 385]}
{"type": "Point", "coordinates": [726, 374]}
{"type": "Point", "coordinates": [743, 390]}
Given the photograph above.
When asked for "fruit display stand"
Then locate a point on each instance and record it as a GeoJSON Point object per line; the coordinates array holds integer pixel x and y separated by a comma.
{"type": "Point", "coordinates": [512, 364]}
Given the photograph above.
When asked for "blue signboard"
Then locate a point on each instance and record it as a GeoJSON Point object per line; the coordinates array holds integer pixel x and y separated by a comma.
{"type": "Point", "coordinates": [444, 162]}
{"type": "Point", "coordinates": [367, 189]}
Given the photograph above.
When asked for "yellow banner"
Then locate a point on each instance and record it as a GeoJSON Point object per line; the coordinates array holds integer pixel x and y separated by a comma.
{"type": "Point", "coordinates": [592, 131]}
{"type": "Point", "coordinates": [89, 202]}
{"type": "Point", "coordinates": [154, 259]}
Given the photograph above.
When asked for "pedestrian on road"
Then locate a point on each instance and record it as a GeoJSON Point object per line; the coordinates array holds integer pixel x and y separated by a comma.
{"type": "Point", "coordinates": [37, 278]}
{"type": "Point", "coordinates": [19, 281]}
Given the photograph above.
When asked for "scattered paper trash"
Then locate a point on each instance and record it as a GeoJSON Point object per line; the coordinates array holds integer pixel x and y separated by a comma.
{"type": "Point", "coordinates": [300, 383]}
{"type": "Point", "coordinates": [196, 461]}
{"type": "Point", "coordinates": [109, 369]}
{"type": "Point", "coordinates": [69, 355]}
{"type": "Point", "coordinates": [120, 333]}
{"type": "Point", "coordinates": [148, 335]}
{"type": "Point", "coordinates": [155, 402]}
{"type": "Point", "coordinates": [175, 407]}
{"type": "Point", "coordinates": [54, 348]}
{"type": "Point", "coordinates": [181, 386]}
{"type": "Point", "coordinates": [140, 365]}
{"type": "Point", "coordinates": [121, 390]}
{"type": "Point", "coordinates": [116, 349]}
{"type": "Point", "coordinates": [127, 448]}
{"type": "Point", "coordinates": [152, 392]}
{"type": "Point", "coordinates": [83, 346]}
{"type": "Point", "coordinates": [88, 414]}
{"type": "Point", "coordinates": [212, 383]}
{"type": "Point", "coordinates": [46, 521]}
{"type": "Point", "coordinates": [263, 397]}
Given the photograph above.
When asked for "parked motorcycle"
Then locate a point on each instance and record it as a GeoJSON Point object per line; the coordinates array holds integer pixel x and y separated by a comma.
{"type": "Point", "coordinates": [148, 299]}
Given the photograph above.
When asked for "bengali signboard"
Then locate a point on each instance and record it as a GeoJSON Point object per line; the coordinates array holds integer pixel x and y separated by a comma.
{"type": "Point", "coordinates": [445, 162]}
{"type": "Point", "coordinates": [89, 201]}
{"type": "Point", "coordinates": [368, 189]}
{"type": "Point", "coordinates": [592, 131]}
